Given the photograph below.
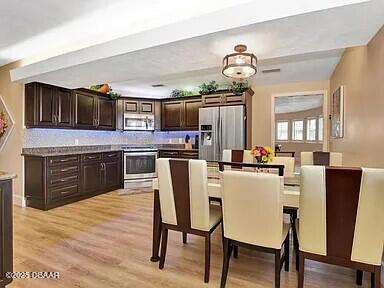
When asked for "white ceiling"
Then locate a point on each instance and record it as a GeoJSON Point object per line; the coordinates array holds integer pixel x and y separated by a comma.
{"type": "Point", "coordinates": [290, 104]}
{"type": "Point", "coordinates": [305, 47]}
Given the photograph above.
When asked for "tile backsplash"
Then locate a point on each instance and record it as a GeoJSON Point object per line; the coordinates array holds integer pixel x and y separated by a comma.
{"type": "Point", "coordinates": [58, 137]}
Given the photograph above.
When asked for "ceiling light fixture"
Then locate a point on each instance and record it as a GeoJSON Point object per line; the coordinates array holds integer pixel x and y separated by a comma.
{"type": "Point", "coordinates": [239, 65]}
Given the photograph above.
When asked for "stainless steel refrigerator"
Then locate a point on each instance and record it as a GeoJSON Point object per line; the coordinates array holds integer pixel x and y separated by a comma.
{"type": "Point", "coordinates": [221, 128]}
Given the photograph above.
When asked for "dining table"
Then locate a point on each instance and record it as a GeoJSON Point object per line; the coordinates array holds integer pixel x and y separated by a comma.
{"type": "Point", "coordinates": [291, 197]}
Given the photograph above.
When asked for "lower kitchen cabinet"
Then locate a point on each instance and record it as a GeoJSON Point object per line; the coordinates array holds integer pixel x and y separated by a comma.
{"type": "Point", "coordinates": [54, 181]}
{"type": "Point", "coordinates": [181, 153]}
{"type": "Point", "coordinates": [6, 231]}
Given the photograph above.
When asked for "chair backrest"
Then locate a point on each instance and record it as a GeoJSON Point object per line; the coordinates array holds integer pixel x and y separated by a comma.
{"type": "Point", "coordinates": [341, 213]}
{"type": "Point", "coordinates": [253, 207]}
{"type": "Point", "coordinates": [183, 193]}
{"type": "Point", "coordinates": [240, 156]}
{"type": "Point", "coordinates": [322, 158]}
{"type": "Point", "coordinates": [288, 162]}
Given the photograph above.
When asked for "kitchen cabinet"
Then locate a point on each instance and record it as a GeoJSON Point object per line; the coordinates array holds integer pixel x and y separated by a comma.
{"type": "Point", "coordinates": [52, 181]}
{"type": "Point", "coordinates": [139, 106]}
{"type": "Point", "coordinates": [48, 106]}
{"type": "Point", "coordinates": [181, 153]}
{"type": "Point", "coordinates": [224, 99]}
{"type": "Point", "coordinates": [106, 113]}
{"type": "Point", "coordinates": [94, 111]}
{"type": "Point", "coordinates": [6, 231]}
{"type": "Point", "coordinates": [181, 114]}
{"type": "Point", "coordinates": [91, 171]}
{"type": "Point", "coordinates": [172, 115]}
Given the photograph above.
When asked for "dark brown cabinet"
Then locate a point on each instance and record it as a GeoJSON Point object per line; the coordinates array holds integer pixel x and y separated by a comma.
{"type": "Point", "coordinates": [106, 113]}
{"type": "Point", "coordinates": [6, 231]}
{"type": "Point", "coordinates": [85, 111]}
{"type": "Point", "coordinates": [224, 99]}
{"type": "Point", "coordinates": [181, 114]}
{"type": "Point", "coordinates": [173, 153]}
{"type": "Point", "coordinates": [57, 180]}
{"type": "Point", "coordinates": [48, 106]}
{"type": "Point", "coordinates": [139, 106]}
{"type": "Point", "coordinates": [94, 111]}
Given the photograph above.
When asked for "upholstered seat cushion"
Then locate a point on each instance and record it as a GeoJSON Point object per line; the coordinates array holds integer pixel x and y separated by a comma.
{"type": "Point", "coordinates": [215, 215]}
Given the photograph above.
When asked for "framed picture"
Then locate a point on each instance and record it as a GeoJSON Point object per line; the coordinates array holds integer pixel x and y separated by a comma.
{"type": "Point", "coordinates": [6, 123]}
{"type": "Point", "coordinates": [337, 113]}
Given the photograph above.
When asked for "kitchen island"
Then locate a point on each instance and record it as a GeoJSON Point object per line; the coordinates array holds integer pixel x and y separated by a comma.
{"type": "Point", "coordinates": [6, 227]}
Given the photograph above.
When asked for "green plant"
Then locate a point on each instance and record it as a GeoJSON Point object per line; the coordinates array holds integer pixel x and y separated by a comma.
{"type": "Point", "coordinates": [96, 87]}
{"type": "Point", "coordinates": [238, 87]}
{"type": "Point", "coordinates": [208, 88]}
{"type": "Point", "coordinates": [113, 95]}
{"type": "Point", "coordinates": [180, 93]}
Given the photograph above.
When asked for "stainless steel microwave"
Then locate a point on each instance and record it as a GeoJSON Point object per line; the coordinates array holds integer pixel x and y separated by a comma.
{"type": "Point", "coordinates": [139, 122]}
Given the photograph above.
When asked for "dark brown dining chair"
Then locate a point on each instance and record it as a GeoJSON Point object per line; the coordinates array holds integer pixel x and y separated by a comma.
{"type": "Point", "coordinates": [184, 203]}
{"type": "Point", "coordinates": [342, 219]}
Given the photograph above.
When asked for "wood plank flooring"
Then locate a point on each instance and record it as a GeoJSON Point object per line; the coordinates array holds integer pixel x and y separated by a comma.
{"type": "Point", "coordinates": [105, 241]}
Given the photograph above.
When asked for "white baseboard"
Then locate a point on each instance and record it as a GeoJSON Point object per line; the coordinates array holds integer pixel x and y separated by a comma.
{"type": "Point", "coordinates": [19, 200]}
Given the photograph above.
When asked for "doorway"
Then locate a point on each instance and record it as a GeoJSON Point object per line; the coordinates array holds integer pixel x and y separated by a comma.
{"type": "Point", "coordinates": [299, 123]}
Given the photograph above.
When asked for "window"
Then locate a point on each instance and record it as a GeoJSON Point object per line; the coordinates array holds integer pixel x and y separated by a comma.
{"type": "Point", "coordinates": [297, 130]}
{"type": "Point", "coordinates": [311, 129]}
{"type": "Point", "coordinates": [282, 131]}
{"type": "Point", "coordinates": [321, 129]}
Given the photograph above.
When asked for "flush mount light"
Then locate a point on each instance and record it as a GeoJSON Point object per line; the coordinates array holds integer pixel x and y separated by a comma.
{"type": "Point", "coordinates": [239, 65]}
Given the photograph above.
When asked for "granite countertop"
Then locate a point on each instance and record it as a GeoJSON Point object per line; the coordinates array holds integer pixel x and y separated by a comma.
{"type": "Point", "coordinates": [69, 150]}
{"type": "Point", "coordinates": [6, 176]}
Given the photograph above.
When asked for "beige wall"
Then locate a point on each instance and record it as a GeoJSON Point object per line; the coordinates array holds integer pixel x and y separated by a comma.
{"type": "Point", "coordinates": [10, 159]}
{"type": "Point", "coordinates": [262, 109]}
{"type": "Point", "coordinates": [361, 70]}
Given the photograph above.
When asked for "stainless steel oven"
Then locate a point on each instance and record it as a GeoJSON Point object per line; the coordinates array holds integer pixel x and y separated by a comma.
{"type": "Point", "coordinates": [139, 165]}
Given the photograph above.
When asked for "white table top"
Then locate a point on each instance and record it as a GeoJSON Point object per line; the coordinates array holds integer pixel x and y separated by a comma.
{"type": "Point", "coordinates": [291, 193]}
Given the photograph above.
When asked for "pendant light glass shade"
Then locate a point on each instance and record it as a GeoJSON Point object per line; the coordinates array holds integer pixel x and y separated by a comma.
{"type": "Point", "coordinates": [239, 65]}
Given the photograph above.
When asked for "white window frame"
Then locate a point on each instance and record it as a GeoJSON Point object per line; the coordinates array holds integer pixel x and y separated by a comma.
{"type": "Point", "coordinates": [318, 129]}
{"type": "Point", "coordinates": [277, 130]}
{"type": "Point", "coordinates": [293, 132]}
{"type": "Point", "coordinates": [307, 127]}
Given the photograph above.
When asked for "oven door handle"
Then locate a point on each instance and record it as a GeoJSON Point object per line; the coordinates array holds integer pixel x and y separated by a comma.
{"type": "Point", "coordinates": [140, 153]}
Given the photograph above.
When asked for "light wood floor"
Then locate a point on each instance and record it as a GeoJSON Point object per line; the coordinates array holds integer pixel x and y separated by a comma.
{"type": "Point", "coordinates": [106, 242]}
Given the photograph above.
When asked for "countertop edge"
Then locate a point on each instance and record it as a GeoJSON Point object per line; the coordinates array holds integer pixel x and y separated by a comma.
{"type": "Point", "coordinates": [7, 176]}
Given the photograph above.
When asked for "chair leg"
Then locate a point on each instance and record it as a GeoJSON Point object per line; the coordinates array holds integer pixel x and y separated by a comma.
{"type": "Point", "coordinates": [375, 277]}
{"type": "Point", "coordinates": [286, 254]}
{"type": "Point", "coordinates": [184, 238]}
{"type": "Point", "coordinates": [207, 257]}
{"type": "Point", "coordinates": [301, 270]}
{"type": "Point", "coordinates": [226, 257]}
{"type": "Point", "coordinates": [297, 259]}
{"type": "Point", "coordinates": [222, 236]}
{"type": "Point", "coordinates": [359, 277]}
{"type": "Point", "coordinates": [235, 251]}
{"type": "Point", "coordinates": [163, 252]}
{"type": "Point", "coordinates": [277, 268]}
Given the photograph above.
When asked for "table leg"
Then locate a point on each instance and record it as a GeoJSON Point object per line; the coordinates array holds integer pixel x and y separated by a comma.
{"type": "Point", "coordinates": [156, 236]}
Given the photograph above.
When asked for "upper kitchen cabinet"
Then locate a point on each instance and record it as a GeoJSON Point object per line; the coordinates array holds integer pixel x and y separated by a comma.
{"type": "Point", "coordinates": [106, 111]}
{"type": "Point", "coordinates": [172, 115]}
{"type": "Point", "coordinates": [226, 98]}
{"type": "Point", "coordinates": [181, 114]}
{"type": "Point", "coordinates": [94, 111]}
{"type": "Point", "coordinates": [48, 106]}
{"type": "Point", "coordinates": [139, 106]}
